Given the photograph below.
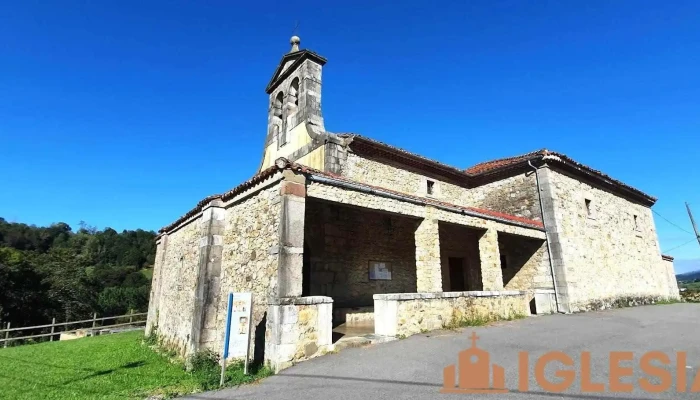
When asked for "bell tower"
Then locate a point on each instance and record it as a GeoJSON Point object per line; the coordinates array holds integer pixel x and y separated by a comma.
{"type": "Point", "coordinates": [294, 102]}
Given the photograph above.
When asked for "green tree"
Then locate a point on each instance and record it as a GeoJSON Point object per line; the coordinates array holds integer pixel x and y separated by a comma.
{"type": "Point", "coordinates": [48, 272]}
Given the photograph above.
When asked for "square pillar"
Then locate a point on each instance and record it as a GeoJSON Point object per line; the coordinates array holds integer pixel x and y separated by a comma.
{"type": "Point", "coordinates": [291, 231]}
{"type": "Point", "coordinates": [206, 294]}
{"type": "Point", "coordinates": [564, 283]}
{"type": "Point", "coordinates": [490, 257]}
{"type": "Point", "coordinates": [428, 268]}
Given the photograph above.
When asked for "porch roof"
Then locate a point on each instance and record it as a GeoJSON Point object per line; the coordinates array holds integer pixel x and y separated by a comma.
{"type": "Point", "coordinates": [282, 164]}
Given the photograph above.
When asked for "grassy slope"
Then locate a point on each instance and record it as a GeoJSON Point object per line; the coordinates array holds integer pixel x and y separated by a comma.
{"type": "Point", "coordinates": [115, 366]}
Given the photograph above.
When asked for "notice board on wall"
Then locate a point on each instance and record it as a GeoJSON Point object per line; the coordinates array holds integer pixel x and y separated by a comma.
{"type": "Point", "coordinates": [379, 271]}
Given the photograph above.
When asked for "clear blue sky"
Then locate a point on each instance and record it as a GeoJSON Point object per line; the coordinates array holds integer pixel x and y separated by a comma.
{"type": "Point", "coordinates": [125, 113]}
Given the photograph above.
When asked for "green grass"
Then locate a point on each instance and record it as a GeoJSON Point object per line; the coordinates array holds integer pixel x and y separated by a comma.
{"type": "Point", "coordinates": [478, 320]}
{"type": "Point", "coordinates": [119, 366]}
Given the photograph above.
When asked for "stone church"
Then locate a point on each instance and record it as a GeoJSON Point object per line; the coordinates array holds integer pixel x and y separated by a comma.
{"type": "Point", "coordinates": [338, 229]}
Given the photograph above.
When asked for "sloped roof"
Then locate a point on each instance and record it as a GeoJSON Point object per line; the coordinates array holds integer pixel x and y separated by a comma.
{"type": "Point", "coordinates": [282, 164]}
{"type": "Point", "coordinates": [489, 171]}
{"type": "Point", "coordinates": [298, 57]}
{"type": "Point", "coordinates": [491, 165]}
{"type": "Point", "coordinates": [564, 161]}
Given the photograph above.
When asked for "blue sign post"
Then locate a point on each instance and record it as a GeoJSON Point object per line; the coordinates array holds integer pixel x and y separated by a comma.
{"type": "Point", "coordinates": [229, 309]}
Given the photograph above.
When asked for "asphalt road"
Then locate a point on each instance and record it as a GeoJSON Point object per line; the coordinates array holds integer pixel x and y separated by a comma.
{"type": "Point", "coordinates": [413, 368]}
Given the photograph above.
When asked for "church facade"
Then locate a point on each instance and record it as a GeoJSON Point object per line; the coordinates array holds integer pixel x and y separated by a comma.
{"type": "Point", "coordinates": [342, 229]}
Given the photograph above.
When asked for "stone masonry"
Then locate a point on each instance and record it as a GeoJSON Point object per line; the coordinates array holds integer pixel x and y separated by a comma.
{"type": "Point", "coordinates": [491, 274]}
{"type": "Point", "coordinates": [298, 329]}
{"type": "Point", "coordinates": [605, 255]}
{"type": "Point", "coordinates": [428, 271]}
{"type": "Point", "coordinates": [538, 229]}
{"type": "Point", "coordinates": [410, 313]}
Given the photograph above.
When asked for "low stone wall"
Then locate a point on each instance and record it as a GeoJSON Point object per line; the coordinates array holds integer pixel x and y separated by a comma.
{"type": "Point", "coordinates": [545, 301]}
{"type": "Point", "coordinates": [354, 315]}
{"type": "Point", "coordinates": [297, 329]}
{"type": "Point", "coordinates": [620, 302]}
{"type": "Point", "coordinates": [405, 314]}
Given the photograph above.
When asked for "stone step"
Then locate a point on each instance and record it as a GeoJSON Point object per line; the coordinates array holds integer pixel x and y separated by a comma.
{"type": "Point", "coordinates": [352, 342]}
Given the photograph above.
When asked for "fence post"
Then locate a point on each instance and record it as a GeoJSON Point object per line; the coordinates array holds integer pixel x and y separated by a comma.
{"type": "Point", "coordinates": [7, 334]}
{"type": "Point", "coordinates": [94, 321]}
{"type": "Point", "coordinates": [131, 316]}
{"type": "Point", "coordinates": [53, 323]}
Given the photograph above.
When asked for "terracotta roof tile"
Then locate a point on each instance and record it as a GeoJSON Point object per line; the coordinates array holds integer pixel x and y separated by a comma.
{"type": "Point", "coordinates": [491, 165]}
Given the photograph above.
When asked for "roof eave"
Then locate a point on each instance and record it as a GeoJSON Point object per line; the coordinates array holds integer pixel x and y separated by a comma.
{"type": "Point", "coordinates": [301, 55]}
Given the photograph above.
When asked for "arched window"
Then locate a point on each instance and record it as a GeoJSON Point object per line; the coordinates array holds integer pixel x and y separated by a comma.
{"type": "Point", "coordinates": [294, 92]}
{"type": "Point", "coordinates": [278, 112]}
{"type": "Point", "coordinates": [277, 105]}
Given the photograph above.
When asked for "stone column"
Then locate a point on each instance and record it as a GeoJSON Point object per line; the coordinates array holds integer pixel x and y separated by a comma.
{"type": "Point", "coordinates": [212, 225]}
{"type": "Point", "coordinates": [297, 328]}
{"type": "Point", "coordinates": [490, 257]}
{"type": "Point", "coordinates": [428, 268]}
{"type": "Point", "coordinates": [154, 302]}
{"type": "Point", "coordinates": [291, 244]}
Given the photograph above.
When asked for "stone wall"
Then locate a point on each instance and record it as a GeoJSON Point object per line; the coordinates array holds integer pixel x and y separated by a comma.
{"type": "Point", "coordinates": [154, 296]}
{"type": "Point", "coordinates": [340, 243]}
{"type": "Point", "coordinates": [231, 247]}
{"type": "Point", "coordinates": [515, 195]}
{"type": "Point", "coordinates": [172, 293]}
{"type": "Point", "coordinates": [667, 265]}
{"type": "Point", "coordinates": [249, 259]}
{"type": "Point", "coordinates": [410, 313]}
{"type": "Point", "coordinates": [605, 256]}
{"type": "Point", "coordinates": [298, 329]}
{"type": "Point", "coordinates": [376, 173]}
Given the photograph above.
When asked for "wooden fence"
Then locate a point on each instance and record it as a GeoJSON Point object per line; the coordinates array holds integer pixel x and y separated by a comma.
{"type": "Point", "coordinates": [5, 334]}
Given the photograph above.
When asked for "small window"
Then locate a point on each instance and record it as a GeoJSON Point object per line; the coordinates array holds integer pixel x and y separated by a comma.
{"type": "Point", "coordinates": [430, 188]}
{"type": "Point", "coordinates": [636, 223]}
{"type": "Point", "coordinates": [504, 261]}
{"type": "Point", "coordinates": [589, 208]}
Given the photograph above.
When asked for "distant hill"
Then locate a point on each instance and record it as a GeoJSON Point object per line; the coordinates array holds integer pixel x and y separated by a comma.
{"type": "Point", "coordinates": [688, 276]}
{"type": "Point", "coordinates": [692, 266]}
